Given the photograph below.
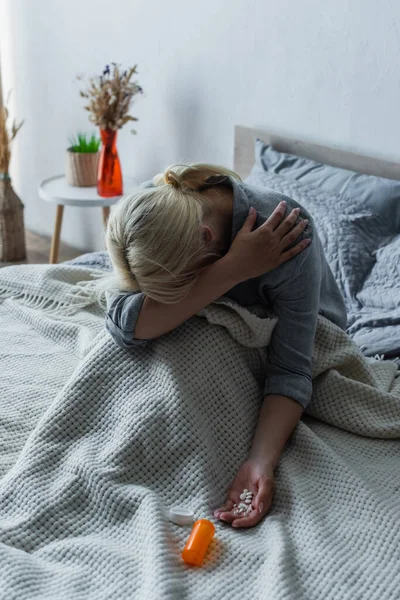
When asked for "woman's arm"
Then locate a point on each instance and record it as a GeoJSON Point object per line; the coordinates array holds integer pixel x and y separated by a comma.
{"type": "Point", "coordinates": [156, 318]}
{"type": "Point", "coordinates": [278, 418]}
{"type": "Point", "coordinates": [251, 254]}
{"type": "Point", "coordinates": [288, 387]}
{"type": "Point", "coordinates": [296, 304]}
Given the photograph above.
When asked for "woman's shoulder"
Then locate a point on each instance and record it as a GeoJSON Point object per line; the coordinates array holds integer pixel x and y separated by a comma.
{"type": "Point", "coordinates": [267, 199]}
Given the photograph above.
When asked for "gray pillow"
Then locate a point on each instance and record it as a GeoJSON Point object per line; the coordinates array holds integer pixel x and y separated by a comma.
{"type": "Point", "coordinates": [376, 327]}
{"type": "Point", "coordinates": [382, 287]}
{"type": "Point", "coordinates": [380, 195]}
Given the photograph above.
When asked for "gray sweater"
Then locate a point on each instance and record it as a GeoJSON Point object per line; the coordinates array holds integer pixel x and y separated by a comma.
{"type": "Point", "coordinates": [295, 292]}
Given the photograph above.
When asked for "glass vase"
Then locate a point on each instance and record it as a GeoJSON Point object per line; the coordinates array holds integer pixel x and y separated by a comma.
{"type": "Point", "coordinates": [109, 178]}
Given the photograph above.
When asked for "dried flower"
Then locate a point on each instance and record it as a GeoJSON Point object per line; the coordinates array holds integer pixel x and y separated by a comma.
{"type": "Point", "coordinates": [110, 96]}
{"type": "Point", "coordinates": [6, 137]}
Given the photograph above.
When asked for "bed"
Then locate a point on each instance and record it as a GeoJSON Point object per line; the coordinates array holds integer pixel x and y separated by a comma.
{"type": "Point", "coordinates": [97, 442]}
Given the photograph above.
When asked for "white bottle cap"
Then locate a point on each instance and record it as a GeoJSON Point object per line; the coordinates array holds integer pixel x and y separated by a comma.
{"type": "Point", "coordinates": [181, 515]}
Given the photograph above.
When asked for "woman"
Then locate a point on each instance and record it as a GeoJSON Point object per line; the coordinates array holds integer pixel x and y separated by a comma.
{"type": "Point", "coordinates": [188, 239]}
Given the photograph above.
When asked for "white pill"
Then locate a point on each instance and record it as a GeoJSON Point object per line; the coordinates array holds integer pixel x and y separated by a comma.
{"type": "Point", "coordinates": [249, 494]}
{"type": "Point", "coordinates": [242, 496]}
{"type": "Point", "coordinates": [242, 505]}
{"type": "Point", "coordinates": [245, 490]}
{"type": "Point", "coordinates": [248, 500]}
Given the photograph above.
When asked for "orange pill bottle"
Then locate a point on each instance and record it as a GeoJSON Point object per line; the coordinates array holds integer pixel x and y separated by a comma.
{"type": "Point", "coordinates": [199, 540]}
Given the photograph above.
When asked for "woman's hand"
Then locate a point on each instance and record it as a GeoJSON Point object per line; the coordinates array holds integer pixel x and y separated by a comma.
{"type": "Point", "coordinates": [257, 477]}
{"type": "Point", "coordinates": [254, 253]}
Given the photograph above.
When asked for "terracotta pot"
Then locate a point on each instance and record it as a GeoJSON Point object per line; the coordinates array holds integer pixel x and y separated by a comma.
{"type": "Point", "coordinates": [81, 168]}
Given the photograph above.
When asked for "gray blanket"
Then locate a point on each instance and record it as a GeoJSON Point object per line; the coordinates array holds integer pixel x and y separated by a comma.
{"type": "Point", "coordinates": [82, 505]}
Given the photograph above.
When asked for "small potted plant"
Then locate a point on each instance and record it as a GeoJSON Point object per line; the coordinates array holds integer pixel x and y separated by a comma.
{"type": "Point", "coordinates": [83, 160]}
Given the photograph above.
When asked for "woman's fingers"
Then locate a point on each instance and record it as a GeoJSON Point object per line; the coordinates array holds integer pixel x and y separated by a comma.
{"type": "Point", "coordinates": [250, 221]}
{"type": "Point", "coordinates": [288, 223]}
{"type": "Point", "coordinates": [290, 237]}
{"type": "Point", "coordinates": [252, 519]}
{"type": "Point", "coordinates": [261, 503]}
{"type": "Point", "coordinates": [285, 256]}
{"type": "Point", "coordinates": [227, 516]}
{"type": "Point", "coordinates": [275, 218]}
{"type": "Point", "coordinates": [225, 508]}
{"type": "Point", "coordinates": [278, 228]}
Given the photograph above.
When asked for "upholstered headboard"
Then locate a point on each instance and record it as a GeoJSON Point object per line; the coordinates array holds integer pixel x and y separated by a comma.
{"type": "Point", "coordinates": [244, 154]}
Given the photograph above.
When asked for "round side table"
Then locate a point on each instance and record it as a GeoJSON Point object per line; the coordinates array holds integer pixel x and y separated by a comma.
{"type": "Point", "coordinates": [56, 189]}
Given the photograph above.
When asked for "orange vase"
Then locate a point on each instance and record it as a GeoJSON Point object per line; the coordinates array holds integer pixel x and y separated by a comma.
{"type": "Point", "coordinates": [109, 178]}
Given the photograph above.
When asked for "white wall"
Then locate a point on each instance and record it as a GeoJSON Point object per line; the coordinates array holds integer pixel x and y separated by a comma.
{"type": "Point", "coordinates": [327, 71]}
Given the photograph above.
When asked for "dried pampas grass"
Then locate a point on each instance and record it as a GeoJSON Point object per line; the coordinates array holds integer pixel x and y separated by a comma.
{"type": "Point", "coordinates": [110, 97]}
{"type": "Point", "coordinates": [6, 137]}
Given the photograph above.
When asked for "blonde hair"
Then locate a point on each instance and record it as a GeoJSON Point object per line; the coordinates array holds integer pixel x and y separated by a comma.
{"type": "Point", "coordinates": [154, 234]}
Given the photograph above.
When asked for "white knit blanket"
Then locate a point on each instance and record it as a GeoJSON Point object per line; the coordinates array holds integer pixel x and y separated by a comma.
{"type": "Point", "coordinates": [101, 441]}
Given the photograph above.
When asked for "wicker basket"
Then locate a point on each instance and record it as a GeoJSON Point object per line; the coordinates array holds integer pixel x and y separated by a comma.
{"type": "Point", "coordinates": [81, 168]}
{"type": "Point", "coordinates": [12, 231]}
